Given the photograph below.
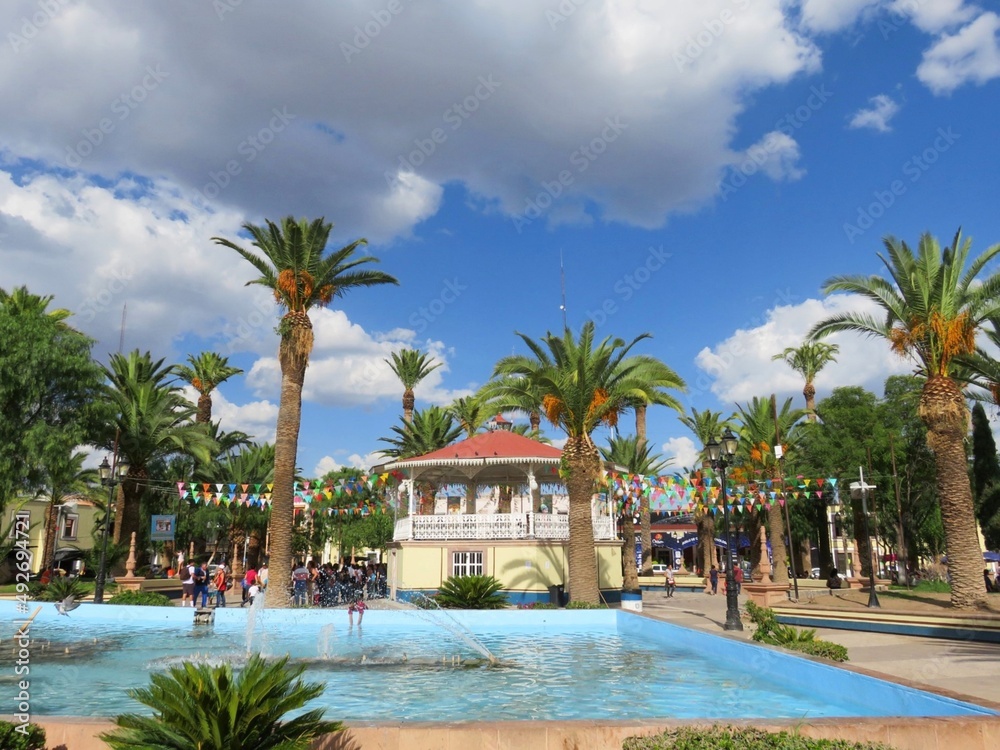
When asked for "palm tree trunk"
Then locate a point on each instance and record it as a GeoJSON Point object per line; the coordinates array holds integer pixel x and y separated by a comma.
{"type": "Point", "coordinates": [705, 523]}
{"type": "Point", "coordinates": [409, 402]}
{"type": "Point", "coordinates": [293, 353]}
{"type": "Point", "coordinates": [253, 550]}
{"type": "Point", "coordinates": [646, 531]}
{"type": "Point", "coordinates": [535, 420]}
{"type": "Point", "coordinates": [204, 415]}
{"type": "Point", "coordinates": [810, 393]}
{"type": "Point", "coordinates": [630, 574]}
{"type": "Point", "coordinates": [583, 463]}
{"type": "Point", "coordinates": [51, 524]}
{"type": "Point", "coordinates": [943, 410]}
{"type": "Point", "coordinates": [128, 514]}
{"type": "Point", "coordinates": [779, 551]}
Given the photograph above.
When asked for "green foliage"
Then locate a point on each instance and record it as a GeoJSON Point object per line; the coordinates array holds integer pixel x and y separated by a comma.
{"type": "Point", "coordinates": [429, 429]}
{"type": "Point", "coordinates": [198, 707]}
{"type": "Point", "coordinates": [471, 592]}
{"type": "Point", "coordinates": [537, 605]}
{"type": "Point", "coordinates": [59, 589]}
{"type": "Point", "coordinates": [740, 738]}
{"type": "Point", "coordinates": [585, 605]}
{"type": "Point", "coordinates": [11, 739]}
{"type": "Point", "coordinates": [769, 630]}
{"type": "Point", "coordinates": [141, 599]}
{"type": "Point", "coordinates": [927, 586]}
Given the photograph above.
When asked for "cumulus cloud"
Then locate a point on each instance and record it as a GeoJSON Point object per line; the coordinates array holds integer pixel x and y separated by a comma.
{"type": "Point", "coordinates": [258, 419]}
{"type": "Point", "coordinates": [934, 17]}
{"type": "Point", "coordinates": [741, 367]}
{"type": "Point", "coordinates": [834, 15]}
{"type": "Point", "coordinates": [682, 451]}
{"type": "Point", "coordinates": [882, 109]}
{"type": "Point", "coordinates": [970, 55]}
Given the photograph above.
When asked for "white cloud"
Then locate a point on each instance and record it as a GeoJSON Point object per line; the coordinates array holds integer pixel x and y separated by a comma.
{"type": "Point", "coordinates": [877, 116]}
{"type": "Point", "coordinates": [348, 367]}
{"type": "Point", "coordinates": [834, 15]}
{"type": "Point", "coordinates": [776, 155]}
{"type": "Point", "coordinates": [934, 17]}
{"type": "Point", "coordinates": [367, 461]}
{"type": "Point", "coordinates": [683, 451]}
{"type": "Point", "coordinates": [741, 367]}
{"type": "Point", "coordinates": [258, 419]}
{"type": "Point", "coordinates": [325, 465]}
{"type": "Point", "coordinates": [971, 55]}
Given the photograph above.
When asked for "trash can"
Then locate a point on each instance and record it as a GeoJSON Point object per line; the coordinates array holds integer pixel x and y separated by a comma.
{"type": "Point", "coordinates": [556, 594]}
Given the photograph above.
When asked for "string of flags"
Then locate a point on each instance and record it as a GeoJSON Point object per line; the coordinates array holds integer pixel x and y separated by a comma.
{"type": "Point", "coordinates": [678, 494]}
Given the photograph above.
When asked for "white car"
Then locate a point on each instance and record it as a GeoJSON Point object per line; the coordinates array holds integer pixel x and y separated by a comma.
{"type": "Point", "coordinates": [660, 569]}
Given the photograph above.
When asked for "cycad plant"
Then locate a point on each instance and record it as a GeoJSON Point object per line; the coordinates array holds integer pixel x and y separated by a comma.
{"type": "Point", "coordinates": [199, 707]}
{"type": "Point", "coordinates": [471, 592]}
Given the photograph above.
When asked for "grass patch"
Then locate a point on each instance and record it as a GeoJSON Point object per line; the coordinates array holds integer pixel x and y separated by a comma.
{"type": "Point", "coordinates": [924, 587]}
{"type": "Point", "coordinates": [740, 738]}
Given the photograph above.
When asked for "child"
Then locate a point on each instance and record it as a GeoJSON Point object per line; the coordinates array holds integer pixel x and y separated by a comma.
{"type": "Point", "coordinates": [252, 592]}
{"type": "Point", "coordinates": [359, 606]}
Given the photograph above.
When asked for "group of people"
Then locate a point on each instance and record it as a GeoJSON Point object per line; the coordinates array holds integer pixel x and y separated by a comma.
{"type": "Point", "coordinates": [327, 585]}
{"type": "Point", "coordinates": [197, 583]}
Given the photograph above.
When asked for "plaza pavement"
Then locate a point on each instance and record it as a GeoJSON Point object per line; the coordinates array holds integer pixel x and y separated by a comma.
{"type": "Point", "coordinates": [960, 668]}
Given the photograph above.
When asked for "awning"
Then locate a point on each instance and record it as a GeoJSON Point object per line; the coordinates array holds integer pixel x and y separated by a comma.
{"type": "Point", "coordinates": [991, 556]}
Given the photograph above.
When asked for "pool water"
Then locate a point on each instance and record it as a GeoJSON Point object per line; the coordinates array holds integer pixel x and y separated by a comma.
{"type": "Point", "coordinates": [406, 666]}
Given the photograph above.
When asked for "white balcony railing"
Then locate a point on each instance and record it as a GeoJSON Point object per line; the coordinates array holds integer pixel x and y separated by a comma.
{"type": "Point", "coordinates": [494, 526]}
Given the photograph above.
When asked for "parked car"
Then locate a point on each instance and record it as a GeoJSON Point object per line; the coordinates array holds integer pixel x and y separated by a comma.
{"type": "Point", "coordinates": [660, 569]}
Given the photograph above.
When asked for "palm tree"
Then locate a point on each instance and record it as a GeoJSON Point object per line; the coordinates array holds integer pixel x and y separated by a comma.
{"type": "Point", "coordinates": [21, 301]}
{"type": "Point", "coordinates": [152, 421]}
{"type": "Point", "coordinates": [202, 707]}
{"type": "Point", "coordinates": [518, 394]}
{"type": "Point", "coordinates": [706, 426]}
{"type": "Point", "coordinates": [585, 384]}
{"type": "Point", "coordinates": [206, 372]}
{"type": "Point", "coordinates": [472, 412]}
{"type": "Point", "coordinates": [293, 265]}
{"type": "Point", "coordinates": [934, 307]}
{"type": "Point", "coordinates": [757, 437]}
{"type": "Point", "coordinates": [663, 378]}
{"type": "Point", "coordinates": [410, 366]}
{"type": "Point", "coordinates": [429, 430]}
{"type": "Point", "coordinates": [65, 477]}
{"type": "Point", "coordinates": [807, 360]}
{"type": "Point", "coordinates": [635, 456]}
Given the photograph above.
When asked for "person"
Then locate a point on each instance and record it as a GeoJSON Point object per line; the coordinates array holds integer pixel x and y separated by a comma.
{"type": "Point", "coordinates": [311, 583]}
{"type": "Point", "coordinates": [833, 580]}
{"type": "Point", "coordinates": [252, 592]}
{"type": "Point", "coordinates": [262, 576]}
{"type": "Point", "coordinates": [359, 606]}
{"type": "Point", "coordinates": [249, 579]}
{"type": "Point", "coordinates": [200, 579]}
{"type": "Point", "coordinates": [221, 585]}
{"type": "Point", "coordinates": [713, 577]}
{"type": "Point", "coordinates": [670, 583]}
{"type": "Point", "coordinates": [300, 584]}
{"type": "Point", "coordinates": [988, 580]}
{"type": "Point", "coordinates": [187, 585]}
{"type": "Point", "coordinates": [738, 579]}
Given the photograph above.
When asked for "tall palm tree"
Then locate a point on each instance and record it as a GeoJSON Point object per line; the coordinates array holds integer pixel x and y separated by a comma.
{"type": "Point", "coordinates": [472, 412]}
{"type": "Point", "coordinates": [518, 394]}
{"type": "Point", "coordinates": [64, 477]}
{"type": "Point", "coordinates": [636, 456]}
{"type": "Point", "coordinates": [292, 261]}
{"type": "Point", "coordinates": [807, 360]}
{"type": "Point", "coordinates": [706, 426]}
{"type": "Point", "coordinates": [663, 378]}
{"type": "Point", "coordinates": [152, 421]}
{"type": "Point", "coordinates": [585, 384]}
{"type": "Point", "coordinates": [934, 305]}
{"type": "Point", "coordinates": [411, 366]}
{"type": "Point", "coordinates": [429, 430]}
{"type": "Point", "coordinates": [757, 430]}
{"type": "Point", "coordinates": [205, 373]}
{"type": "Point", "coordinates": [20, 300]}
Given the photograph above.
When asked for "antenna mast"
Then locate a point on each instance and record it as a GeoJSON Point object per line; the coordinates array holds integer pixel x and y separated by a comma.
{"type": "Point", "coordinates": [121, 336]}
{"type": "Point", "coordinates": [562, 284]}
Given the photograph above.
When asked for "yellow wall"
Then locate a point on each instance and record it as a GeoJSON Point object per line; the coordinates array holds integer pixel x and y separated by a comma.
{"type": "Point", "coordinates": [36, 536]}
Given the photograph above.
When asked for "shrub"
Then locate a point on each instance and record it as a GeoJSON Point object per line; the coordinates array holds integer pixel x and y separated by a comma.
{"type": "Point", "coordinates": [740, 738]}
{"type": "Point", "coordinates": [59, 589]}
{"type": "Point", "coordinates": [537, 605]}
{"type": "Point", "coordinates": [12, 739]}
{"type": "Point", "coordinates": [585, 605]}
{"type": "Point", "coordinates": [141, 599]}
{"type": "Point", "coordinates": [769, 630]}
{"type": "Point", "coordinates": [471, 592]}
{"type": "Point", "coordinates": [198, 707]}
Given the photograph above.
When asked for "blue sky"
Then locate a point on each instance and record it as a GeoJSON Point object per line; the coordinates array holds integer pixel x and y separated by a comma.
{"type": "Point", "coordinates": [701, 167]}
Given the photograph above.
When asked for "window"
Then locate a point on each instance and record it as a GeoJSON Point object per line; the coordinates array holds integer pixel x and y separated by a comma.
{"type": "Point", "coordinates": [466, 563]}
{"type": "Point", "coordinates": [70, 523]}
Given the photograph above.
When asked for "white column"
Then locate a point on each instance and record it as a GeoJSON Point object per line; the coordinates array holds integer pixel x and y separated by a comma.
{"type": "Point", "coordinates": [412, 496]}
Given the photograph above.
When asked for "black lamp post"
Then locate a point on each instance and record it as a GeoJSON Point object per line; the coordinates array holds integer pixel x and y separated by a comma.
{"type": "Point", "coordinates": [111, 477]}
{"type": "Point", "coordinates": [860, 490]}
{"type": "Point", "coordinates": [720, 454]}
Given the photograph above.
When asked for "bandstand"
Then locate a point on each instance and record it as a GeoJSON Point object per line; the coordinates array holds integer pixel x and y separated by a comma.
{"type": "Point", "coordinates": [492, 504]}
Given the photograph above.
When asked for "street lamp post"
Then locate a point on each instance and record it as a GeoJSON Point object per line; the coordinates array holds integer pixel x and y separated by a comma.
{"type": "Point", "coordinates": [720, 454]}
{"type": "Point", "coordinates": [860, 490]}
{"type": "Point", "coordinates": [111, 477]}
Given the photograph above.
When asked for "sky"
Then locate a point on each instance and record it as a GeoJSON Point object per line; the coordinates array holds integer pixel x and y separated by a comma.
{"type": "Point", "coordinates": [699, 168]}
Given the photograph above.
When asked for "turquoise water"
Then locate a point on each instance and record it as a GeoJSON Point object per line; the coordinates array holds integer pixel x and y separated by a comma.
{"type": "Point", "coordinates": [402, 666]}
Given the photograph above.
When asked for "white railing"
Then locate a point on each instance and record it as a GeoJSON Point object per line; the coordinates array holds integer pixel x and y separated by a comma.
{"type": "Point", "coordinates": [494, 526]}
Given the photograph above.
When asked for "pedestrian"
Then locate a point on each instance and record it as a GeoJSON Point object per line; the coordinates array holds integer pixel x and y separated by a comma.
{"type": "Point", "coordinates": [262, 576]}
{"type": "Point", "coordinates": [713, 577]}
{"type": "Point", "coordinates": [300, 585]}
{"type": "Point", "coordinates": [670, 583]}
{"type": "Point", "coordinates": [359, 606]}
{"type": "Point", "coordinates": [222, 583]}
{"type": "Point", "coordinates": [988, 580]}
{"type": "Point", "coordinates": [200, 578]}
{"type": "Point", "coordinates": [187, 585]}
{"type": "Point", "coordinates": [738, 579]}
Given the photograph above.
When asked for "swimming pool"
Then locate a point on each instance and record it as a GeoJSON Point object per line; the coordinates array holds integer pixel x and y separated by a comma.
{"type": "Point", "coordinates": [407, 666]}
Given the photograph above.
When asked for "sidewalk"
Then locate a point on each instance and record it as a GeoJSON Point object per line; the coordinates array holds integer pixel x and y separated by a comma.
{"type": "Point", "coordinates": [968, 669]}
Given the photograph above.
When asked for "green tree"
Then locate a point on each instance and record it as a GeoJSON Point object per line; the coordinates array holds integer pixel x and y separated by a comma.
{"type": "Point", "coordinates": [985, 476]}
{"type": "Point", "coordinates": [206, 372]}
{"type": "Point", "coordinates": [706, 426]}
{"type": "Point", "coordinates": [518, 394]}
{"type": "Point", "coordinates": [472, 412]}
{"type": "Point", "coordinates": [49, 394]}
{"type": "Point", "coordinates": [201, 707]}
{"type": "Point", "coordinates": [638, 458]}
{"type": "Point", "coordinates": [293, 264]}
{"type": "Point", "coordinates": [807, 360]}
{"type": "Point", "coordinates": [64, 477]}
{"type": "Point", "coordinates": [410, 366]}
{"type": "Point", "coordinates": [934, 305]}
{"type": "Point", "coordinates": [585, 384]}
{"type": "Point", "coordinates": [428, 430]}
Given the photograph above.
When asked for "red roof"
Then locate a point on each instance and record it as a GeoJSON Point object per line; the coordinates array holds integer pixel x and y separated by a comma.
{"type": "Point", "coordinates": [498, 444]}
